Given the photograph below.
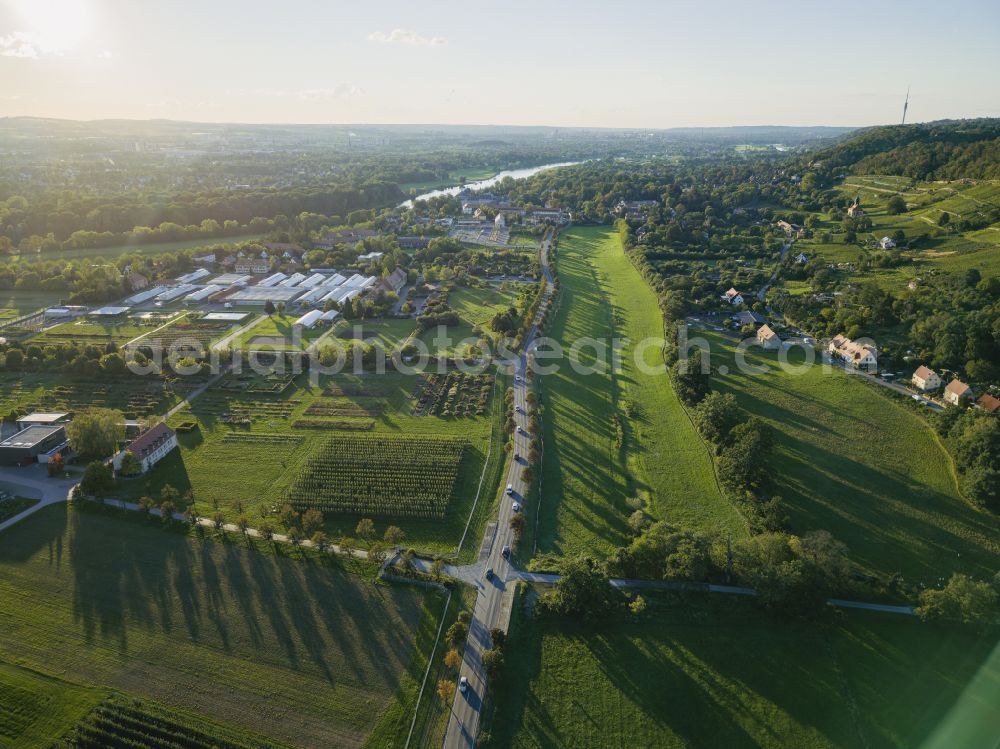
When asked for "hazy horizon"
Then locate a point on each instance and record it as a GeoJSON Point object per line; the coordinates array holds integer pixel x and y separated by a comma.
{"type": "Point", "coordinates": [645, 66]}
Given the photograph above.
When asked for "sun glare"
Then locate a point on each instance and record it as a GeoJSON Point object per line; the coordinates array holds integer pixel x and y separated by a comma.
{"type": "Point", "coordinates": [56, 25]}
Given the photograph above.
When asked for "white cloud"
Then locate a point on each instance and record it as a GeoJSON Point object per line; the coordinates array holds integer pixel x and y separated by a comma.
{"type": "Point", "coordinates": [21, 44]}
{"type": "Point", "coordinates": [340, 91]}
{"type": "Point", "coordinates": [404, 36]}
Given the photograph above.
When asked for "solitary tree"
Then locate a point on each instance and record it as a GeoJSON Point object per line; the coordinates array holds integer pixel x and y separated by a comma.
{"type": "Point", "coordinates": [437, 568]}
{"type": "Point", "coordinates": [96, 432]}
{"type": "Point", "coordinates": [312, 521]}
{"type": "Point", "coordinates": [56, 465]}
{"type": "Point", "coordinates": [446, 689]}
{"type": "Point", "coordinates": [98, 479]}
{"type": "Point", "coordinates": [269, 308]}
{"type": "Point", "coordinates": [167, 509]}
{"type": "Point", "coordinates": [452, 659]}
{"type": "Point", "coordinates": [394, 535]}
{"type": "Point", "coordinates": [218, 520]}
{"type": "Point", "coordinates": [366, 529]}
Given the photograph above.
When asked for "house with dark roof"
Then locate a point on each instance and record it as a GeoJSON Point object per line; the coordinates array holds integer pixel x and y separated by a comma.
{"type": "Point", "coordinates": [150, 447]}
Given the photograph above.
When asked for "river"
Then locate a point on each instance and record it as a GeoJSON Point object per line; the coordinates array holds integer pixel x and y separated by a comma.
{"type": "Point", "coordinates": [484, 183]}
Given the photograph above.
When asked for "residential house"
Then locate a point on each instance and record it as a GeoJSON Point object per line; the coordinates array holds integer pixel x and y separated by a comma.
{"type": "Point", "coordinates": [802, 258]}
{"type": "Point", "coordinates": [394, 282]}
{"type": "Point", "coordinates": [748, 317]}
{"type": "Point", "coordinates": [732, 296]}
{"type": "Point", "coordinates": [768, 338]}
{"type": "Point", "coordinates": [792, 230]}
{"type": "Point", "coordinates": [413, 243]}
{"type": "Point", "coordinates": [886, 243]}
{"type": "Point", "coordinates": [925, 379]}
{"type": "Point", "coordinates": [862, 356]}
{"type": "Point", "coordinates": [988, 403]}
{"type": "Point", "coordinates": [150, 447]}
{"type": "Point", "coordinates": [956, 392]}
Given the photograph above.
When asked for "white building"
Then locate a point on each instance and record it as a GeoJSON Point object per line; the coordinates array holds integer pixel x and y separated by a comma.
{"type": "Point", "coordinates": [150, 447]}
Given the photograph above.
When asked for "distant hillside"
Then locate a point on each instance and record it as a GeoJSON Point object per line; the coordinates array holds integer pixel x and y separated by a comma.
{"type": "Point", "coordinates": [948, 149]}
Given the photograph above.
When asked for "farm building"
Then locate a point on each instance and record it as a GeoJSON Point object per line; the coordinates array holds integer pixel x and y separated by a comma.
{"type": "Point", "coordinates": [233, 317]}
{"type": "Point", "coordinates": [886, 243]}
{"type": "Point", "coordinates": [149, 447]}
{"type": "Point", "coordinates": [293, 280]}
{"type": "Point", "coordinates": [861, 356]}
{"type": "Point", "coordinates": [145, 295]}
{"type": "Point", "coordinates": [925, 379]}
{"type": "Point", "coordinates": [42, 419]}
{"type": "Point", "coordinates": [273, 280]}
{"type": "Point", "coordinates": [329, 316]}
{"type": "Point", "coordinates": [109, 311]}
{"type": "Point", "coordinates": [232, 279]}
{"type": "Point", "coordinates": [202, 294]}
{"type": "Point", "coordinates": [193, 276]}
{"type": "Point", "coordinates": [263, 295]}
{"type": "Point", "coordinates": [956, 392]}
{"type": "Point", "coordinates": [370, 256]}
{"type": "Point", "coordinates": [312, 281]}
{"type": "Point", "coordinates": [394, 281]}
{"type": "Point", "coordinates": [33, 444]}
{"type": "Point", "coordinates": [176, 293]}
{"type": "Point", "coordinates": [252, 265]}
{"type": "Point", "coordinates": [768, 338]}
{"type": "Point", "coordinates": [309, 319]}
{"type": "Point", "coordinates": [136, 281]}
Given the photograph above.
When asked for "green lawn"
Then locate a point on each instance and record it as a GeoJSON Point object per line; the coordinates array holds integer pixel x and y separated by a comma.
{"type": "Point", "coordinates": [716, 672]}
{"type": "Point", "coordinates": [585, 477]}
{"type": "Point", "coordinates": [295, 649]}
{"type": "Point", "coordinates": [277, 333]}
{"type": "Point", "coordinates": [29, 300]}
{"type": "Point", "coordinates": [35, 710]}
{"type": "Point", "coordinates": [852, 461]}
{"type": "Point", "coordinates": [15, 506]}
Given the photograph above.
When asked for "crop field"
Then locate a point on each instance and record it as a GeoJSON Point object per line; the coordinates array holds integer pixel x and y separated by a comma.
{"type": "Point", "coordinates": [695, 671]}
{"type": "Point", "coordinates": [586, 477]}
{"type": "Point", "coordinates": [40, 391]}
{"type": "Point", "coordinates": [863, 466]}
{"type": "Point", "coordinates": [453, 394]}
{"type": "Point", "coordinates": [296, 650]}
{"type": "Point", "coordinates": [388, 477]}
{"type": "Point", "coordinates": [155, 248]}
{"type": "Point", "coordinates": [256, 435]}
{"type": "Point", "coordinates": [120, 332]}
{"type": "Point", "coordinates": [388, 333]}
{"type": "Point", "coordinates": [29, 300]}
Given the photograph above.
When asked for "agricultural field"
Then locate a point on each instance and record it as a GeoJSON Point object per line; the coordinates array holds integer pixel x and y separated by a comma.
{"type": "Point", "coordinates": [296, 650]}
{"type": "Point", "coordinates": [863, 466]}
{"type": "Point", "coordinates": [253, 437]}
{"type": "Point", "coordinates": [387, 333]}
{"type": "Point", "coordinates": [99, 333]}
{"type": "Point", "coordinates": [109, 253]}
{"type": "Point", "coordinates": [699, 671]}
{"type": "Point", "coordinates": [382, 477]}
{"type": "Point", "coordinates": [136, 397]}
{"type": "Point", "coordinates": [29, 300]}
{"type": "Point", "coordinates": [586, 477]}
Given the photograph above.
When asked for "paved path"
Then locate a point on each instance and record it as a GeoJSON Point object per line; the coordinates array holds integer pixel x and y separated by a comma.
{"type": "Point", "coordinates": [224, 343]}
{"type": "Point", "coordinates": [495, 598]}
{"type": "Point", "coordinates": [33, 481]}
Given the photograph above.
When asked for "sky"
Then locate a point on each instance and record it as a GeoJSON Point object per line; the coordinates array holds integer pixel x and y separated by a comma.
{"type": "Point", "coordinates": [631, 63]}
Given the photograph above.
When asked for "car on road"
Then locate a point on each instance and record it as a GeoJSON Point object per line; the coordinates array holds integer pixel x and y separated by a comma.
{"type": "Point", "coordinates": [489, 573]}
{"type": "Point", "coordinates": [463, 684]}
{"type": "Point", "coordinates": [510, 490]}
{"type": "Point", "coordinates": [518, 409]}
{"type": "Point", "coordinates": [505, 552]}
{"type": "Point", "coordinates": [517, 457]}
{"type": "Point", "coordinates": [516, 507]}
{"type": "Point", "coordinates": [522, 430]}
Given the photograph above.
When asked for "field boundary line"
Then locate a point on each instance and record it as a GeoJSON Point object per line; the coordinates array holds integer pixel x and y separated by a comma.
{"type": "Point", "coordinates": [427, 671]}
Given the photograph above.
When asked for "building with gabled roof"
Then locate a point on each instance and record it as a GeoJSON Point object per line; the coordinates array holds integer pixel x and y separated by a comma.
{"type": "Point", "coordinates": [863, 356]}
{"type": "Point", "coordinates": [149, 448]}
{"type": "Point", "coordinates": [925, 379]}
{"type": "Point", "coordinates": [957, 391]}
{"type": "Point", "coordinates": [768, 339]}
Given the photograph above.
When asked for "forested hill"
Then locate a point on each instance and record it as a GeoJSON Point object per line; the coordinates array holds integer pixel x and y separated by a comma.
{"type": "Point", "coordinates": [948, 149]}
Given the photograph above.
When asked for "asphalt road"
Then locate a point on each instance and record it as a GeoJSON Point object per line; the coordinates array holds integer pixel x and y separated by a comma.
{"type": "Point", "coordinates": [495, 595]}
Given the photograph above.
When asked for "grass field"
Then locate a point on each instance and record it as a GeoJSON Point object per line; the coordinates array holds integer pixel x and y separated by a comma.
{"type": "Point", "coordinates": [15, 506]}
{"type": "Point", "coordinates": [27, 300]}
{"type": "Point", "coordinates": [277, 333]}
{"type": "Point", "coordinates": [142, 249]}
{"type": "Point", "coordinates": [298, 650]}
{"type": "Point", "coordinates": [250, 468]}
{"type": "Point", "coordinates": [52, 391]}
{"type": "Point", "coordinates": [35, 710]}
{"type": "Point", "coordinates": [586, 478]}
{"type": "Point", "coordinates": [854, 462]}
{"type": "Point", "coordinates": [460, 177]}
{"type": "Point", "coordinates": [700, 672]}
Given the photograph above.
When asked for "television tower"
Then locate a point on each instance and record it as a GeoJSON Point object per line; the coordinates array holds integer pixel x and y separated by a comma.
{"type": "Point", "coordinates": [906, 103]}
